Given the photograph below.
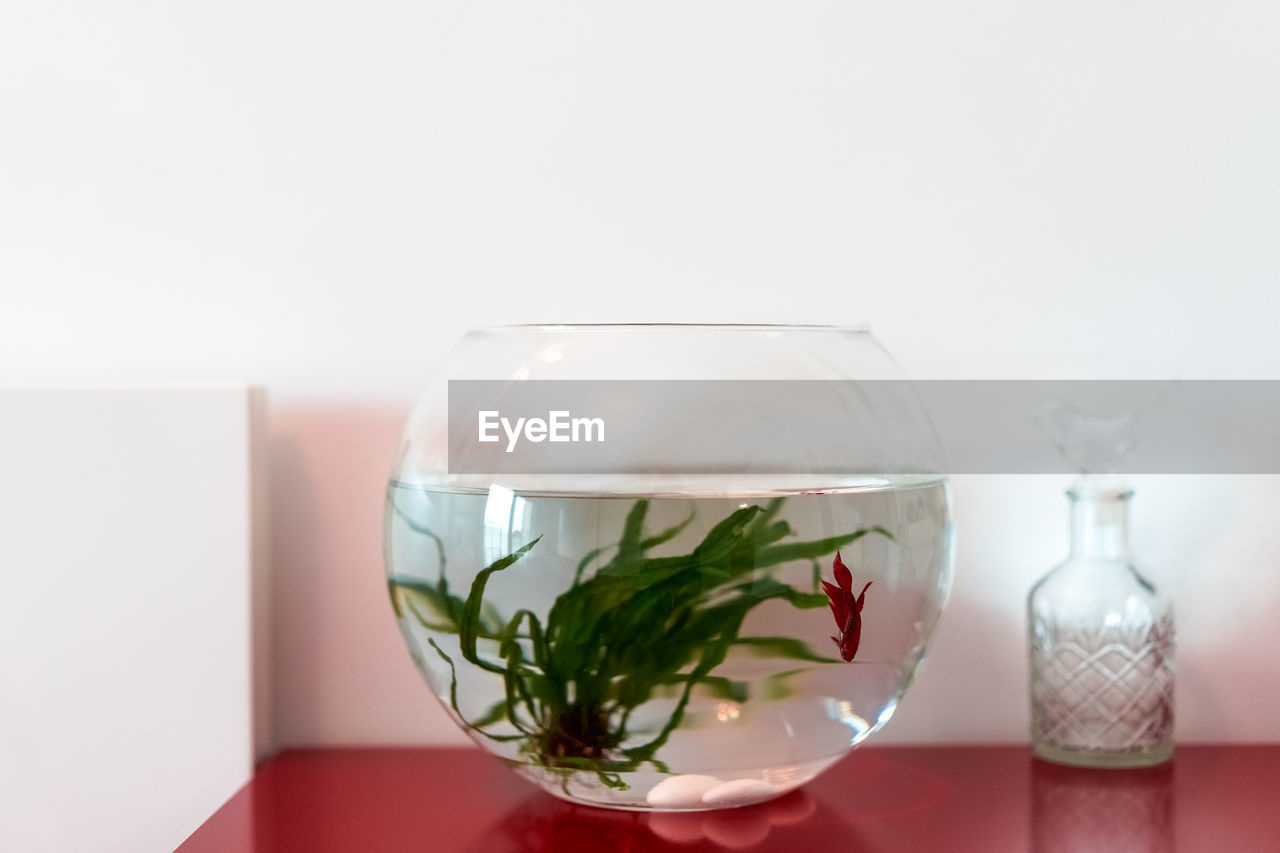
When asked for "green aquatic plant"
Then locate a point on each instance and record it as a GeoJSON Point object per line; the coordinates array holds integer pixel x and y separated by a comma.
{"type": "Point", "coordinates": [625, 630]}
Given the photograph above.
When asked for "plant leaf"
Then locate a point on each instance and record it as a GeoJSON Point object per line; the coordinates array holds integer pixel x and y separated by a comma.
{"type": "Point", "coordinates": [469, 624]}
{"type": "Point", "coordinates": [453, 699]}
{"type": "Point", "coordinates": [782, 647]}
{"type": "Point", "coordinates": [666, 535]}
{"type": "Point", "coordinates": [815, 548]}
{"type": "Point", "coordinates": [423, 597]}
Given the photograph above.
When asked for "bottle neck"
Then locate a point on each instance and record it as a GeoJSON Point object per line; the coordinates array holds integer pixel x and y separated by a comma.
{"type": "Point", "coordinates": [1100, 524]}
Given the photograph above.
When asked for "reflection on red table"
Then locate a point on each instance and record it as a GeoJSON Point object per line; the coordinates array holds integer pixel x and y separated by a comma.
{"type": "Point", "coordinates": [879, 798]}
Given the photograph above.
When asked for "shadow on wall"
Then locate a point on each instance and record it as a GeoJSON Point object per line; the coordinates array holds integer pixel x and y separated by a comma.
{"type": "Point", "coordinates": [973, 685]}
{"type": "Point", "coordinates": [973, 688]}
{"type": "Point", "coordinates": [1213, 542]}
{"type": "Point", "coordinates": [341, 672]}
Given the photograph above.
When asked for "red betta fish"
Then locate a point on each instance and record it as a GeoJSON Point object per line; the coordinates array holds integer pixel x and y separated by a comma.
{"type": "Point", "coordinates": [846, 609]}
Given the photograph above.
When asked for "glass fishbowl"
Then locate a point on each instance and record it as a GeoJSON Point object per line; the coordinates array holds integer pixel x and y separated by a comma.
{"type": "Point", "coordinates": [700, 593]}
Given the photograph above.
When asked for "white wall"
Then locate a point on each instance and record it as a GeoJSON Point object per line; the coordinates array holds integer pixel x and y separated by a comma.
{"type": "Point", "coordinates": [321, 197]}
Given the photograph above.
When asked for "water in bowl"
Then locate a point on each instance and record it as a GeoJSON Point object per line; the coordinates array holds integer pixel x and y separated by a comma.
{"type": "Point", "coordinates": [604, 643]}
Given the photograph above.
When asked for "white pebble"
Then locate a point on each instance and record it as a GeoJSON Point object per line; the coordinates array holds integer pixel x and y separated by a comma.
{"type": "Point", "coordinates": [738, 792]}
{"type": "Point", "coordinates": [681, 792]}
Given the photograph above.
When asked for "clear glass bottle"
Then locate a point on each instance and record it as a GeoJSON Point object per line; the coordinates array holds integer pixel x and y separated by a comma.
{"type": "Point", "coordinates": [1101, 640]}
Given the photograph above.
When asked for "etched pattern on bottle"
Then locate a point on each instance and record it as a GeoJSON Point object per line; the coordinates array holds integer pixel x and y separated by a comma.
{"type": "Point", "coordinates": [1106, 688]}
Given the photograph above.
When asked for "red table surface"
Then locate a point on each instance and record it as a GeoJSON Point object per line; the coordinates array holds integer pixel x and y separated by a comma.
{"type": "Point", "coordinates": [1215, 798]}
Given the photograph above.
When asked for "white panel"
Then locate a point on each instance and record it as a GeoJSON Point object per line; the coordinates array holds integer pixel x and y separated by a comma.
{"type": "Point", "coordinates": [125, 673]}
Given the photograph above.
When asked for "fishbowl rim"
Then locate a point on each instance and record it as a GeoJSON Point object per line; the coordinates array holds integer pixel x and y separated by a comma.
{"type": "Point", "coordinates": [858, 329]}
{"type": "Point", "coordinates": [728, 489]}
